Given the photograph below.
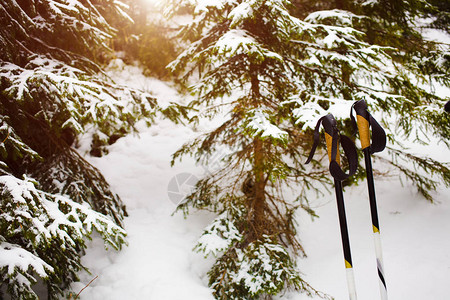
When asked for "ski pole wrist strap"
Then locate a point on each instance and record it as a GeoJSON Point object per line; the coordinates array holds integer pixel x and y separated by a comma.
{"type": "Point", "coordinates": [363, 122]}
{"type": "Point", "coordinates": [333, 138]}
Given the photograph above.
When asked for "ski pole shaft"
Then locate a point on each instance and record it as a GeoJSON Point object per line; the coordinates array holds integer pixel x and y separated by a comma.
{"type": "Point", "coordinates": [363, 121]}
{"type": "Point", "coordinates": [330, 126]}
{"type": "Point", "coordinates": [375, 224]}
{"type": "Point", "coordinates": [345, 240]}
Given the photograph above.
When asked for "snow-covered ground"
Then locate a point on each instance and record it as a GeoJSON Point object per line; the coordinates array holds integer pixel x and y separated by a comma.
{"type": "Point", "coordinates": [159, 262]}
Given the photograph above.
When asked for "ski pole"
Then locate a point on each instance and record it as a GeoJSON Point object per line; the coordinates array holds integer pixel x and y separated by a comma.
{"type": "Point", "coordinates": [364, 121]}
{"type": "Point", "coordinates": [332, 138]}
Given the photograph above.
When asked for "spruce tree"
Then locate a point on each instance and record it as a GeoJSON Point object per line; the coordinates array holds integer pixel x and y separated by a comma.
{"type": "Point", "coordinates": [52, 91]}
{"type": "Point", "coordinates": [245, 55]}
{"type": "Point", "coordinates": [273, 75]}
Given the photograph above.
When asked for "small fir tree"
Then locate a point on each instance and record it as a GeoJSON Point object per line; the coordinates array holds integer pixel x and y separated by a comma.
{"type": "Point", "coordinates": [245, 52]}
{"type": "Point", "coordinates": [275, 75]}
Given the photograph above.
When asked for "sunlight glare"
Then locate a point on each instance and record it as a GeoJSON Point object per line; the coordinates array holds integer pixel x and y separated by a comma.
{"type": "Point", "coordinates": [153, 3]}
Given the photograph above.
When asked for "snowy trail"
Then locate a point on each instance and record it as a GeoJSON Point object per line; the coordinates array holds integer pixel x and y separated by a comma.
{"type": "Point", "coordinates": [157, 264]}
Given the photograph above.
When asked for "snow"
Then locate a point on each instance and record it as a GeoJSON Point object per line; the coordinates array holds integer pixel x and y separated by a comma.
{"type": "Point", "coordinates": [262, 125]}
{"type": "Point", "coordinates": [414, 237]}
{"type": "Point", "coordinates": [311, 111]}
{"type": "Point", "coordinates": [54, 223]}
{"type": "Point", "coordinates": [232, 40]}
{"type": "Point", "coordinates": [341, 17]}
{"type": "Point", "coordinates": [218, 236]}
{"type": "Point", "coordinates": [239, 41]}
{"type": "Point", "coordinates": [160, 263]}
{"type": "Point", "coordinates": [120, 6]}
{"type": "Point", "coordinates": [13, 256]}
{"type": "Point", "coordinates": [270, 270]}
{"type": "Point", "coordinates": [432, 34]}
{"type": "Point", "coordinates": [240, 13]}
{"type": "Point", "coordinates": [132, 76]}
{"type": "Point", "coordinates": [204, 5]}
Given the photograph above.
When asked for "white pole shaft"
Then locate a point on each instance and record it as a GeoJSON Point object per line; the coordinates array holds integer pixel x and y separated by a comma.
{"type": "Point", "coordinates": [351, 283]}
{"type": "Point", "coordinates": [380, 265]}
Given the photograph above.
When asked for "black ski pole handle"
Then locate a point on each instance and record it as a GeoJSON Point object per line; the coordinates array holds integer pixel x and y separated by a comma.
{"type": "Point", "coordinates": [364, 121]}
{"type": "Point", "coordinates": [333, 138]}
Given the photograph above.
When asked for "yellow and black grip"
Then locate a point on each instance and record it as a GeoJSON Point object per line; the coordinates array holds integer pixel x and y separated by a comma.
{"type": "Point", "coordinates": [364, 121]}
{"type": "Point", "coordinates": [333, 139]}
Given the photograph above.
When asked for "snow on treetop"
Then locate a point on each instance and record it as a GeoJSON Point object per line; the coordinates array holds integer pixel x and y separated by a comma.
{"type": "Point", "coordinates": [239, 13]}
{"type": "Point", "coordinates": [369, 2]}
{"type": "Point", "coordinates": [238, 41]}
{"type": "Point", "coordinates": [235, 39]}
{"type": "Point", "coordinates": [204, 5]}
{"type": "Point", "coordinates": [340, 17]}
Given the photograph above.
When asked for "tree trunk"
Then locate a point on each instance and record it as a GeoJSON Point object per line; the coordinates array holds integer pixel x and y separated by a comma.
{"type": "Point", "coordinates": [257, 202]}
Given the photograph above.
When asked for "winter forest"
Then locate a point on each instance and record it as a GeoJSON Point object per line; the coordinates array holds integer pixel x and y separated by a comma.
{"type": "Point", "coordinates": [156, 149]}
